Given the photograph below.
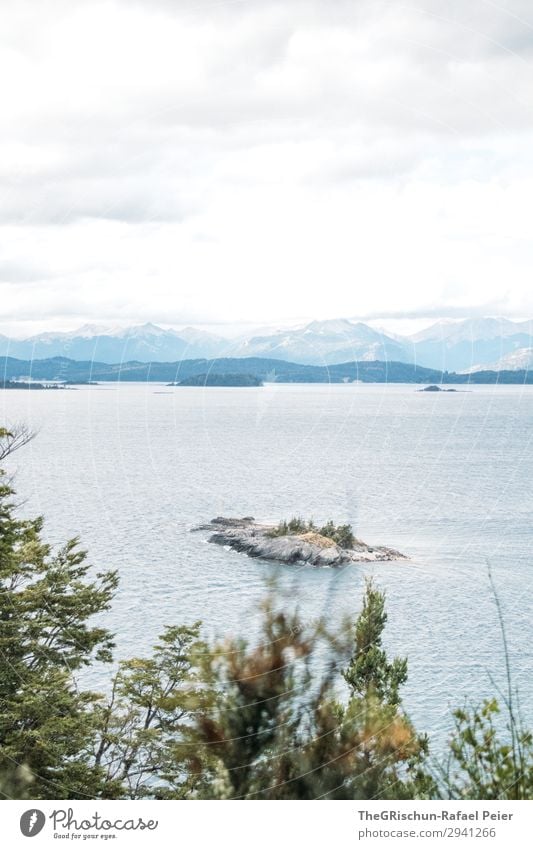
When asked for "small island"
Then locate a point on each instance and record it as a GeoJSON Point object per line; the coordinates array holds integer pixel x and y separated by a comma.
{"type": "Point", "coordinates": [296, 541]}
{"type": "Point", "coordinates": [434, 388]}
{"type": "Point", "coordinates": [219, 380]}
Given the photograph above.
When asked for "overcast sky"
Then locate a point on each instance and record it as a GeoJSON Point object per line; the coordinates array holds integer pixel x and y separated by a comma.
{"type": "Point", "coordinates": [185, 161]}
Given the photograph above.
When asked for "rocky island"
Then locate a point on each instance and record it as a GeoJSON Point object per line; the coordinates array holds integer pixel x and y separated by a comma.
{"type": "Point", "coordinates": [296, 541]}
{"type": "Point", "coordinates": [434, 388]}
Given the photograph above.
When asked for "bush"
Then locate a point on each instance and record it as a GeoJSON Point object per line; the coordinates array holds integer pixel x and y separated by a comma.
{"type": "Point", "coordinates": [278, 730]}
{"type": "Point", "coordinates": [482, 765]}
{"type": "Point", "coordinates": [342, 535]}
{"type": "Point", "coordinates": [219, 720]}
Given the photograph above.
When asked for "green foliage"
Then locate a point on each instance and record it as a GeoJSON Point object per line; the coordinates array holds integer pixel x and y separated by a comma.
{"type": "Point", "coordinates": [142, 727]}
{"type": "Point", "coordinates": [342, 535]}
{"type": "Point", "coordinates": [278, 731]}
{"type": "Point", "coordinates": [224, 379]}
{"type": "Point", "coordinates": [46, 603]}
{"type": "Point", "coordinates": [296, 525]}
{"type": "Point", "coordinates": [486, 760]}
{"type": "Point", "coordinates": [485, 765]}
{"type": "Point", "coordinates": [226, 720]}
{"type": "Point", "coordinates": [240, 740]}
{"type": "Point", "coordinates": [369, 670]}
{"type": "Point", "coordinates": [16, 782]}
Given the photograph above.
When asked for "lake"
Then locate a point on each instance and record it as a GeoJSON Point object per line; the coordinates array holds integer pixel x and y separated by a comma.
{"type": "Point", "coordinates": [444, 478]}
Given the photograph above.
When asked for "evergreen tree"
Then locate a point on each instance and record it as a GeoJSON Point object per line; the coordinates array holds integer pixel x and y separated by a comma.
{"type": "Point", "coordinates": [224, 721]}
{"type": "Point", "coordinates": [47, 601]}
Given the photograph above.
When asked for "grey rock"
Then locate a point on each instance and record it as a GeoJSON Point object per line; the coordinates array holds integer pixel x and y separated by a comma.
{"type": "Point", "coordinates": [252, 538]}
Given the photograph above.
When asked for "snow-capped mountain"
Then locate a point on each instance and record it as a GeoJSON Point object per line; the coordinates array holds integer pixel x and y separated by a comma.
{"type": "Point", "coordinates": [472, 328]}
{"type": "Point", "coordinates": [325, 343]}
{"type": "Point", "coordinates": [452, 345]}
{"type": "Point", "coordinates": [468, 344]}
{"type": "Point", "coordinates": [145, 343]}
{"type": "Point", "coordinates": [515, 361]}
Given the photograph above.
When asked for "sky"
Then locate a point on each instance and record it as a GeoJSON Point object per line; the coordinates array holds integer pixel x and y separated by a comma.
{"type": "Point", "coordinates": [255, 162]}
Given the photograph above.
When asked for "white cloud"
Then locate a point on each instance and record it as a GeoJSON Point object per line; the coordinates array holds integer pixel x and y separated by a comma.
{"type": "Point", "coordinates": [225, 161]}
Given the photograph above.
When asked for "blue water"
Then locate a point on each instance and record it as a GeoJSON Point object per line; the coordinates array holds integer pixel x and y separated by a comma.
{"type": "Point", "coordinates": [445, 478]}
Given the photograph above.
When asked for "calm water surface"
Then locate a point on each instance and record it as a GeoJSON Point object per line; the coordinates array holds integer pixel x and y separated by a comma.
{"type": "Point", "coordinates": [445, 478]}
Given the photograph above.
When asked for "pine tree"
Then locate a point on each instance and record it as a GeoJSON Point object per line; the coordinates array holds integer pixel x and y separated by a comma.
{"type": "Point", "coordinates": [47, 601]}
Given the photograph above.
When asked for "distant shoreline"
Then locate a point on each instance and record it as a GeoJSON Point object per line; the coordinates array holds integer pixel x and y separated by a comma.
{"type": "Point", "coordinates": [66, 371]}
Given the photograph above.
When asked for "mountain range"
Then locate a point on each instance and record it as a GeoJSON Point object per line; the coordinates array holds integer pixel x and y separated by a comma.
{"type": "Point", "coordinates": [61, 369]}
{"type": "Point", "coordinates": [467, 346]}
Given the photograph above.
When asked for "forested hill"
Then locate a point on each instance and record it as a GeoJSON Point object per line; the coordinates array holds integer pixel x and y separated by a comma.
{"type": "Point", "coordinates": [61, 368]}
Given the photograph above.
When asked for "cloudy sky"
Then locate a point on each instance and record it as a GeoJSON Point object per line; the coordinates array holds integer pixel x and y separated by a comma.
{"type": "Point", "coordinates": [187, 161]}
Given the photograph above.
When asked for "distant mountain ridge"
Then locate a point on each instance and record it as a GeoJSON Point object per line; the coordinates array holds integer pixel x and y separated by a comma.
{"type": "Point", "coordinates": [472, 343]}
{"type": "Point", "coordinates": [325, 342]}
{"type": "Point", "coordinates": [520, 359]}
{"type": "Point", "coordinates": [146, 342]}
{"type": "Point", "coordinates": [468, 345]}
{"type": "Point", "coordinates": [267, 370]}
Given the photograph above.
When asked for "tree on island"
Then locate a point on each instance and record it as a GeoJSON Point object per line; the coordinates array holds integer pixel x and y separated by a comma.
{"type": "Point", "coordinates": [341, 535]}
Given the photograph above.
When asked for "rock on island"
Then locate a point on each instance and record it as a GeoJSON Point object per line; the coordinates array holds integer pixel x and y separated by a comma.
{"type": "Point", "coordinates": [295, 542]}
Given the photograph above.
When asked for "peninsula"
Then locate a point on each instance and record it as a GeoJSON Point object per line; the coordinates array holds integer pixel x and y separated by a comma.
{"type": "Point", "coordinates": [14, 384]}
{"type": "Point", "coordinates": [296, 541]}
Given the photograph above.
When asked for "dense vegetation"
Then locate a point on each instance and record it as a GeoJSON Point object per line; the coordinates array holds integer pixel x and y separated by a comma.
{"type": "Point", "coordinates": [268, 370]}
{"type": "Point", "coordinates": [221, 380]}
{"type": "Point", "coordinates": [303, 713]}
{"type": "Point", "coordinates": [342, 535]}
{"type": "Point", "coordinates": [15, 384]}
